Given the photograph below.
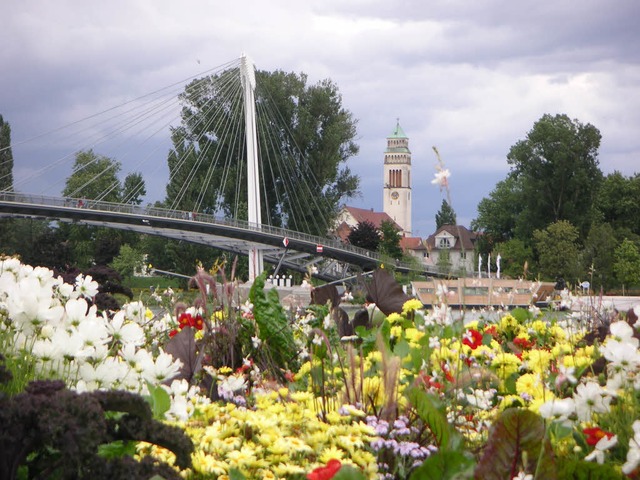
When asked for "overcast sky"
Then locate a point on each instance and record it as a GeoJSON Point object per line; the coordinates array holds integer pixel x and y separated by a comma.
{"type": "Point", "coordinates": [470, 77]}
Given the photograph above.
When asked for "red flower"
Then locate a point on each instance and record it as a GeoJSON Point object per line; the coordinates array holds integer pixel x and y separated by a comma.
{"type": "Point", "coordinates": [492, 330]}
{"type": "Point", "coordinates": [473, 338]}
{"type": "Point", "coordinates": [326, 472]}
{"type": "Point", "coordinates": [186, 320]}
{"type": "Point", "coordinates": [523, 342]}
{"type": "Point", "coordinates": [594, 434]}
{"type": "Point", "coordinates": [173, 333]}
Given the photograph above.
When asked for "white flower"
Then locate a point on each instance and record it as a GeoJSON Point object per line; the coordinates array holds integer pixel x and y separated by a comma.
{"type": "Point", "coordinates": [523, 476]}
{"type": "Point", "coordinates": [482, 399]}
{"type": "Point", "coordinates": [256, 342]}
{"type": "Point", "coordinates": [125, 332]}
{"type": "Point", "coordinates": [163, 368]}
{"type": "Point", "coordinates": [621, 355]}
{"type": "Point", "coordinates": [326, 323]}
{"type": "Point", "coordinates": [633, 455]}
{"type": "Point", "coordinates": [604, 444]}
{"type": "Point", "coordinates": [590, 398]}
{"type": "Point", "coordinates": [622, 332]}
{"type": "Point", "coordinates": [560, 409]}
{"type": "Point", "coordinates": [86, 286]}
{"type": "Point", "coordinates": [565, 374]}
{"type": "Point", "coordinates": [231, 385]}
{"type": "Point", "coordinates": [441, 177]}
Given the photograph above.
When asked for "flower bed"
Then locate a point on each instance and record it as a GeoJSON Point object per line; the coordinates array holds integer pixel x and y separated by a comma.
{"type": "Point", "coordinates": [266, 393]}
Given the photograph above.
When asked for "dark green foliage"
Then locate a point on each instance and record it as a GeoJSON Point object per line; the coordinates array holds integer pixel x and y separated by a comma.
{"type": "Point", "coordinates": [598, 256]}
{"type": "Point", "coordinates": [273, 327]}
{"type": "Point", "coordinates": [94, 177]}
{"type": "Point", "coordinates": [6, 157]}
{"type": "Point", "coordinates": [390, 240]}
{"type": "Point", "coordinates": [303, 148]}
{"type": "Point", "coordinates": [51, 432]}
{"type": "Point", "coordinates": [618, 203]}
{"type": "Point", "coordinates": [558, 251]}
{"type": "Point", "coordinates": [365, 235]}
{"type": "Point", "coordinates": [446, 215]}
{"type": "Point", "coordinates": [558, 169]}
{"type": "Point", "coordinates": [581, 470]}
{"type": "Point", "coordinates": [516, 258]}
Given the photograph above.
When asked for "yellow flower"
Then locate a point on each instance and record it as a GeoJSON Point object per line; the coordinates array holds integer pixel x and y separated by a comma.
{"type": "Point", "coordinates": [558, 333]}
{"type": "Point", "coordinates": [394, 318]}
{"type": "Point", "coordinates": [539, 327]}
{"type": "Point", "coordinates": [204, 463]}
{"type": "Point", "coordinates": [331, 452]}
{"type": "Point", "coordinates": [505, 364]}
{"type": "Point", "coordinates": [537, 360]}
{"type": "Point", "coordinates": [413, 335]}
{"type": "Point", "coordinates": [531, 385]}
{"type": "Point", "coordinates": [411, 305]}
{"type": "Point", "coordinates": [396, 331]}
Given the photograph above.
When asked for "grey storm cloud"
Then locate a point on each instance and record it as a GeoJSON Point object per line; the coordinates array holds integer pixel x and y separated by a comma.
{"type": "Point", "coordinates": [468, 77]}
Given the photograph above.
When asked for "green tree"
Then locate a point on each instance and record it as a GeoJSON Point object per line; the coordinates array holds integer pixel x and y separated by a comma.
{"type": "Point", "coordinates": [498, 214]}
{"type": "Point", "coordinates": [627, 264]}
{"type": "Point", "coordinates": [6, 157]}
{"type": "Point", "coordinates": [365, 235]}
{"type": "Point", "coordinates": [133, 189]}
{"type": "Point", "coordinates": [128, 261]}
{"type": "Point", "coordinates": [515, 258]}
{"type": "Point", "coordinates": [446, 215]}
{"type": "Point", "coordinates": [557, 165]}
{"type": "Point", "coordinates": [94, 177]}
{"type": "Point", "coordinates": [303, 149]}
{"type": "Point", "coordinates": [7, 225]}
{"type": "Point", "coordinates": [558, 251]}
{"type": "Point", "coordinates": [598, 255]}
{"type": "Point", "coordinates": [390, 240]}
{"type": "Point", "coordinates": [618, 202]}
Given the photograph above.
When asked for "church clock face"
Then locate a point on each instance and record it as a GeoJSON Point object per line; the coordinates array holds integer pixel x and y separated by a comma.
{"type": "Point", "coordinates": [395, 195]}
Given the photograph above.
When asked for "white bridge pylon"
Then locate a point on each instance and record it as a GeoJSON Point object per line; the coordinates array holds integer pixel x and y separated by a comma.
{"type": "Point", "coordinates": [248, 75]}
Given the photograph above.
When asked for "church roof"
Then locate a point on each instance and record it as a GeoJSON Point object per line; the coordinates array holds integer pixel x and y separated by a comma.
{"type": "Point", "coordinates": [398, 132]}
{"type": "Point", "coordinates": [376, 218]}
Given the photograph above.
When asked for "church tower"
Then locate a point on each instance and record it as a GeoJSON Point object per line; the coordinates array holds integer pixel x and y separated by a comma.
{"type": "Point", "coordinates": [397, 179]}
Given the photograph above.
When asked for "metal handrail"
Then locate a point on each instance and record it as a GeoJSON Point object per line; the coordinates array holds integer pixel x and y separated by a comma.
{"type": "Point", "coordinates": [159, 212]}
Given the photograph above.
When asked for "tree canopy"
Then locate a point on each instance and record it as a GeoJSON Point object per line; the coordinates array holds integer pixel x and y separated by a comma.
{"type": "Point", "coordinates": [390, 240]}
{"type": "Point", "coordinates": [365, 235]}
{"type": "Point", "coordinates": [302, 150]}
{"type": "Point", "coordinates": [94, 177]}
{"type": "Point", "coordinates": [6, 157]}
{"type": "Point", "coordinates": [446, 215]}
{"type": "Point", "coordinates": [557, 166]}
{"type": "Point", "coordinates": [558, 251]}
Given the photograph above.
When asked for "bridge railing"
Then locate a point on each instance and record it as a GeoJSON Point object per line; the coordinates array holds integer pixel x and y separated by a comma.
{"type": "Point", "coordinates": [159, 212]}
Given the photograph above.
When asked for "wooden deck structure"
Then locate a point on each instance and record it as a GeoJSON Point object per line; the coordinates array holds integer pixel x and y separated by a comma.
{"type": "Point", "coordinates": [466, 292]}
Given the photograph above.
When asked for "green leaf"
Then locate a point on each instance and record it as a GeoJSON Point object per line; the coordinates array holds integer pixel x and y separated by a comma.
{"type": "Point", "coordinates": [431, 410]}
{"type": "Point", "coordinates": [347, 472]}
{"type": "Point", "coordinates": [235, 474]}
{"type": "Point", "coordinates": [513, 433]}
{"type": "Point", "coordinates": [401, 348]}
{"type": "Point", "coordinates": [159, 400]}
{"type": "Point", "coordinates": [445, 465]}
{"type": "Point", "coordinates": [117, 449]}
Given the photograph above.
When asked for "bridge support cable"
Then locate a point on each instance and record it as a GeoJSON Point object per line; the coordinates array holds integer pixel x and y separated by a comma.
{"type": "Point", "coordinates": [247, 72]}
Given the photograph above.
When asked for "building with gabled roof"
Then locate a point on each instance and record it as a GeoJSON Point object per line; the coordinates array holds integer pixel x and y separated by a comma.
{"type": "Point", "coordinates": [452, 246]}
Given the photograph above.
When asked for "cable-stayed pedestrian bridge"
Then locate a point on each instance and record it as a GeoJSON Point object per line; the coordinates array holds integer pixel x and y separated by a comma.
{"type": "Point", "coordinates": [330, 259]}
{"type": "Point", "coordinates": [232, 154]}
